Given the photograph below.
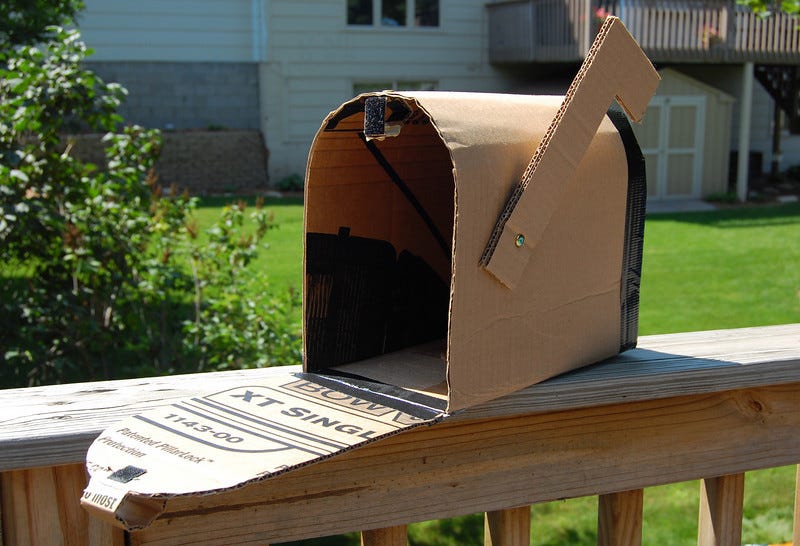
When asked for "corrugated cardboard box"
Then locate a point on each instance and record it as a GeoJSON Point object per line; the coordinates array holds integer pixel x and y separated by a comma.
{"type": "Point", "coordinates": [412, 238]}
{"type": "Point", "coordinates": [458, 247]}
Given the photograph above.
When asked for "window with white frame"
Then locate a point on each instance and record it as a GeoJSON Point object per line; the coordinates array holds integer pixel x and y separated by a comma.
{"type": "Point", "coordinates": [393, 13]}
{"type": "Point", "coordinates": [405, 85]}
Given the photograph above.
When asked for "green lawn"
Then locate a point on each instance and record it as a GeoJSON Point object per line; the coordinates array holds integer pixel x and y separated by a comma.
{"type": "Point", "coordinates": [722, 269]}
{"type": "Point", "coordinates": [282, 257]}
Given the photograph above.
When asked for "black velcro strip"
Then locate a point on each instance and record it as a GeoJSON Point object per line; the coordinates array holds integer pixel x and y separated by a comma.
{"type": "Point", "coordinates": [634, 231]}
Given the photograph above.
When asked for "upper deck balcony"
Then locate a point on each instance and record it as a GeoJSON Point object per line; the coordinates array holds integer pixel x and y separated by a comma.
{"type": "Point", "coordinates": [685, 31]}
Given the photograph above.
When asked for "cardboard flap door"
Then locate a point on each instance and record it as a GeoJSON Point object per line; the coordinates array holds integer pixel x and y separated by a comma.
{"type": "Point", "coordinates": [615, 67]}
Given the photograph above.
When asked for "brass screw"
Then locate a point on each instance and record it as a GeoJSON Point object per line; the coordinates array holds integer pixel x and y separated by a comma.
{"type": "Point", "coordinates": [520, 240]}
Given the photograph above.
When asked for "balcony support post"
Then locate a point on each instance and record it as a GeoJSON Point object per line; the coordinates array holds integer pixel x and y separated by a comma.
{"type": "Point", "coordinates": [746, 108]}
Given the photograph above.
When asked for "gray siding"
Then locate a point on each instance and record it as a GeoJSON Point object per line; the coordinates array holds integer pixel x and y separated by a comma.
{"type": "Point", "coordinates": [188, 95]}
{"type": "Point", "coordinates": [169, 30]}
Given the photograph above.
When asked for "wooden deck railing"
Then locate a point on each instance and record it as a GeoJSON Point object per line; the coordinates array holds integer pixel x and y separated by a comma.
{"type": "Point", "coordinates": [670, 31]}
{"type": "Point", "coordinates": [709, 405]}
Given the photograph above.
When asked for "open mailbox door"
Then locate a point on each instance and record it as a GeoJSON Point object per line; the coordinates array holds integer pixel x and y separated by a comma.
{"type": "Point", "coordinates": [409, 314]}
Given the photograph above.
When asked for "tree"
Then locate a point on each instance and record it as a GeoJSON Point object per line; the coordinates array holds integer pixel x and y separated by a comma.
{"type": "Point", "coordinates": [104, 273]}
{"type": "Point", "coordinates": [767, 7]}
{"type": "Point", "coordinates": [26, 21]}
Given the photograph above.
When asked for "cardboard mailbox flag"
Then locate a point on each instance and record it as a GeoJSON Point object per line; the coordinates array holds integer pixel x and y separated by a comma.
{"type": "Point", "coordinates": [459, 247]}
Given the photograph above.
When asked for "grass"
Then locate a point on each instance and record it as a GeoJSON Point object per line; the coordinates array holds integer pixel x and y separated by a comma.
{"type": "Point", "coordinates": [723, 269]}
{"type": "Point", "coordinates": [282, 258]}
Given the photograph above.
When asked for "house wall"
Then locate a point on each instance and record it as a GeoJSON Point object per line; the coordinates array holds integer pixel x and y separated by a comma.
{"type": "Point", "coordinates": [185, 63]}
{"type": "Point", "coordinates": [169, 30]}
{"type": "Point", "coordinates": [186, 95]}
{"type": "Point", "coordinates": [315, 59]}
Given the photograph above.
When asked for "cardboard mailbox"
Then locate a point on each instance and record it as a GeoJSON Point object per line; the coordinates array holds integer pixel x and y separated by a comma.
{"type": "Point", "coordinates": [414, 245]}
{"type": "Point", "coordinates": [447, 263]}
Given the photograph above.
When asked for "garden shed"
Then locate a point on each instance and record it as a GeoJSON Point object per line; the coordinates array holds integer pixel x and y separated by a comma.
{"type": "Point", "coordinates": [685, 138]}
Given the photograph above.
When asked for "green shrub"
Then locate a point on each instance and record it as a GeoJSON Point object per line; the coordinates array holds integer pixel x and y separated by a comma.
{"type": "Point", "coordinates": [723, 197]}
{"type": "Point", "coordinates": [293, 182]}
{"type": "Point", "coordinates": [104, 274]}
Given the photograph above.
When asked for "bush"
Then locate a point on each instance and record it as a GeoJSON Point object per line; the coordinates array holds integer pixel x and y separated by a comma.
{"type": "Point", "coordinates": [105, 274]}
{"type": "Point", "coordinates": [293, 182]}
{"type": "Point", "coordinates": [723, 197]}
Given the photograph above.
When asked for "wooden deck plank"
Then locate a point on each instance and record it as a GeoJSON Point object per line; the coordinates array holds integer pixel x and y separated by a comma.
{"type": "Point", "coordinates": [483, 465]}
{"type": "Point", "coordinates": [55, 425]}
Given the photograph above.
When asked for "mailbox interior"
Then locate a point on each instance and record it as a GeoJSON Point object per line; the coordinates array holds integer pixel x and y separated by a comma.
{"type": "Point", "coordinates": [378, 252]}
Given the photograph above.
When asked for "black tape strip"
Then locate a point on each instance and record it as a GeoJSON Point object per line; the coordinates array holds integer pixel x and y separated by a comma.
{"type": "Point", "coordinates": [398, 108]}
{"type": "Point", "coordinates": [412, 403]}
{"type": "Point", "coordinates": [374, 116]}
{"type": "Point", "coordinates": [124, 475]}
{"type": "Point", "coordinates": [409, 195]}
{"type": "Point", "coordinates": [634, 231]}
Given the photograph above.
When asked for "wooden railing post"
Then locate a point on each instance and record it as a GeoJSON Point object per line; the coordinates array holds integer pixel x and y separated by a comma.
{"type": "Point", "coordinates": [389, 536]}
{"type": "Point", "coordinates": [619, 518]}
{"type": "Point", "coordinates": [41, 506]}
{"type": "Point", "coordinates": [510, 527]}
{"type": "Point", "coordinates": [721, 502]}
{"type": "Point", "coordinates": [796, 533]}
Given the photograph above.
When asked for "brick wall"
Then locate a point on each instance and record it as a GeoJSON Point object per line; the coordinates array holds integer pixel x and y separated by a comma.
{"type": "Point", "coordinates": [204, 162]}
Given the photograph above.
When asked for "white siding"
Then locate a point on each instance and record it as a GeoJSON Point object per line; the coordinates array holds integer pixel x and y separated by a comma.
{"type": "Point", "coordinates": [168, 30]}
{"type": "Point", "coordinates": [315, 58]}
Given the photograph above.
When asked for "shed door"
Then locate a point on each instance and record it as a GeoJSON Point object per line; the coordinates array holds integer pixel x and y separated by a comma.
{"type": "Point", "coordinates": [671, 138]}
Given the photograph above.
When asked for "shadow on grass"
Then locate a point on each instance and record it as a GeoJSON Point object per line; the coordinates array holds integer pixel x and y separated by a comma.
{"type": "Point", "coordinates": [738, 217]}
{"type": "Point", "coordinates": [217, 201]}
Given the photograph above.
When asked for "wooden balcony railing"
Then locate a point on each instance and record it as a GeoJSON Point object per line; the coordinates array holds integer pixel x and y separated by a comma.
{"type": "Point", "coordinates": [719, 31]}
{"type": "Point", "coordinates": [708, 405]}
